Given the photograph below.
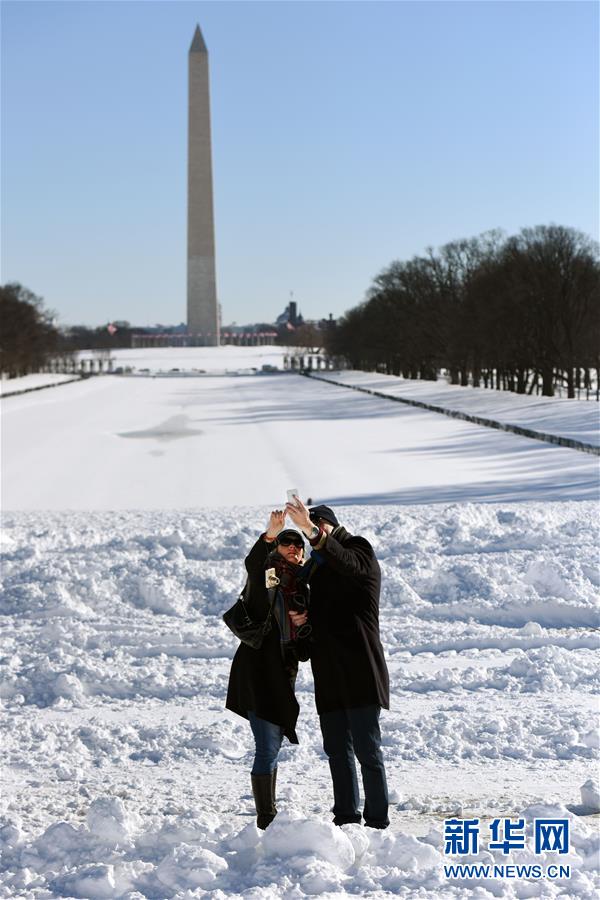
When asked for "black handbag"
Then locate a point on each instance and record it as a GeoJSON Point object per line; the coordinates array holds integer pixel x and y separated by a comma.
{"type": "Point", "coordinates": [245, 629]}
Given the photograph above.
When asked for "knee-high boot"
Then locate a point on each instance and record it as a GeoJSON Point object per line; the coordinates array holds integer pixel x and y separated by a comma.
{"type": "Point", "coordinates": [263, 789]}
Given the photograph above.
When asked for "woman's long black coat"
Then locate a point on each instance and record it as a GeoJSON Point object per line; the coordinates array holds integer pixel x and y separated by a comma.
{"type": "Point", "coordinates": [262, 681]}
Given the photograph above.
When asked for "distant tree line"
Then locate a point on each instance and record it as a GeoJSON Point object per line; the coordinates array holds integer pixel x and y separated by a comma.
{"type": "Point", "coordinates": [514, 313]}
{"type": "Point", "coordinates": [29, 339]}
{"type": "Point", "coordinates": [81, 337]}
{"type": "Point", "coordinates": [27, 336]}
{"type": "Point", "coordinates": [308, 334]}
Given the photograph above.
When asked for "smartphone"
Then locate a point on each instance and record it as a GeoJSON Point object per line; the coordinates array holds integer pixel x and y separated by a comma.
{"type": "Point", "coordinates": [291, 495]}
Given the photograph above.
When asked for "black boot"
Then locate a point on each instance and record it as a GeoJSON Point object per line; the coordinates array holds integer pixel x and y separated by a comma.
{"type": "Point", "coordinates": [263, 789]}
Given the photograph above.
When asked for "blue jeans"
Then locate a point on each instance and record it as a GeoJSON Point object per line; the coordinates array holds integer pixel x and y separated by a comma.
{"type": "Point", "coordinates": [346, 733]}
{"type": "Point", "coordinates": [268, 738]}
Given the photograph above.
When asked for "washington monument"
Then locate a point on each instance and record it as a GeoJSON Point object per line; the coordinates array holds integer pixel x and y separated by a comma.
{"type": "Point", "coordinates": [202, 309]}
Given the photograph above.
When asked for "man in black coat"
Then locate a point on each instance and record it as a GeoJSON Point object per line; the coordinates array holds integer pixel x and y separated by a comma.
{"type": "Point", "coordinates": [349, 668]}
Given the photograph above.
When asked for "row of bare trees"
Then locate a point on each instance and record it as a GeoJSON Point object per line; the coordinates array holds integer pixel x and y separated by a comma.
{"type": "Point", "coordinates": [29, 341]}
{"type": "Point", "coordinates": [516, 313]}
{"type": "Point", "coordinates": [27, 336]}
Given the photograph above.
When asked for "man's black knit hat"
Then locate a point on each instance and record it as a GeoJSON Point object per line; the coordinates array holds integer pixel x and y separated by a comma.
{"type": "Point", "coordinates": [323, 512]}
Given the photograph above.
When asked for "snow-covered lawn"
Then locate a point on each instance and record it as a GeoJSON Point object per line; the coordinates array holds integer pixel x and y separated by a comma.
{"type": "Point", "coordinates": [130, 504]}
{"type": "Point", "coordinates": [188, 359]}
{"type": "Point", "coordinates": [10, 386]}
{"type": "Point", "coordinates": [578, 419]}
{"type": "Point", "coordinates": [140, 443]}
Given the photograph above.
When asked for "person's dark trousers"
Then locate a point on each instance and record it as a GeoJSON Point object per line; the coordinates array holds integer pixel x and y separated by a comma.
{"type": "Point", "coordinates": [346, 733]}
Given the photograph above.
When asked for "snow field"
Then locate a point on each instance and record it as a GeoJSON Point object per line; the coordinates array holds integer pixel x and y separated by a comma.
{"type": "Point", "coordinates": [111, 856]}
{"type": "Point", "coordinates": [31, 382]}
{"type": "Point", "coordinates": [187, 359]}
{"type": "Point", "coordinates": [124, 777]}
{"type": "Point", "coordinates": [577, 419]}
{"type": "Point", "coordinates": [119, 443]}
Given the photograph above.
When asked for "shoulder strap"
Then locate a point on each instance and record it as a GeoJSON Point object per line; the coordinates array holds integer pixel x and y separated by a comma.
{"type": "Point", "coordinates": [272, 592]}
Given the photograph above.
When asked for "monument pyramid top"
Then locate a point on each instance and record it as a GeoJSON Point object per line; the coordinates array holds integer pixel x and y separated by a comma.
{"type": "Point", "coordinates": [198, 45]}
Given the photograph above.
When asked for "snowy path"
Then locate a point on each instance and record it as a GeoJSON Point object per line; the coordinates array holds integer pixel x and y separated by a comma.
{"type": "Point", "coordinates": [119, 443]}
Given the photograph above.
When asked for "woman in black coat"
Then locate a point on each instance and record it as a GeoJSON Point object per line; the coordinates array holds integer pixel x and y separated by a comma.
{"type": "Point", "coordinates": [261, 682]}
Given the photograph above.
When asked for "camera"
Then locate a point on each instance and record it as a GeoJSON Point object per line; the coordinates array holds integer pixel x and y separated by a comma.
{"type": "Point", "coordinates": [300, 602]}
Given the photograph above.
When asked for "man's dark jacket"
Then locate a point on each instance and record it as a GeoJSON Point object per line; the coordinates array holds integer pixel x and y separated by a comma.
{"type": "Point", "coordinates": [347, 658]}
{"type": "Point", "coordinates": [262, 681]}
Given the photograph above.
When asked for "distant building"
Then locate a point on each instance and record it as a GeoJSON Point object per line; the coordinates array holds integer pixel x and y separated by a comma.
{"type": "Point", "coordinates": [177, 336]}
{"type": "Point", "coordinates": [290, 317]}
{"type": "Point", "coordinates": [258, 334]}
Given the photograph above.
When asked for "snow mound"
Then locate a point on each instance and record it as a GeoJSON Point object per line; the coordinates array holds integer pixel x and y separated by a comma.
{"type": "Point", "coordinates": [188, 868]}
{"type": "Point", "coordinates": [306, 855]}
{"type": "Point", "coordinates": [289, 836]}
{"type": "Point", "coordinates": [404, 851]}
{"type": "Point", "coordinates": [590, 795]}
{"type": "Point", "coordinates": [96, 882]}
{"type": "Point", "coordinates": [109, 820]}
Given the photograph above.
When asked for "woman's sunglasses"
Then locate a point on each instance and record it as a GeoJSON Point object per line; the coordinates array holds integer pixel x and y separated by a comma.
{"type": "Point", "coordinates": [286, 542]}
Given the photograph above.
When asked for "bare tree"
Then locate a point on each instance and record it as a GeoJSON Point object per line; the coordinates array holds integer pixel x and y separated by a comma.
{"type": "Point", "coordinates": [507, 312]}
{"type": "Point", "coordinates": [28, 337]}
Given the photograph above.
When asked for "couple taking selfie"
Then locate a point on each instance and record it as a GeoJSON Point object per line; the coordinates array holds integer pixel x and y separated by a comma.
{"type": "Point", "coordinates": [324, 608]}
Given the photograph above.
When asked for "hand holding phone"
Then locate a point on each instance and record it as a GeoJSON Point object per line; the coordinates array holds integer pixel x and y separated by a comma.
{"type": "Point", "coordinates": [291, 496]}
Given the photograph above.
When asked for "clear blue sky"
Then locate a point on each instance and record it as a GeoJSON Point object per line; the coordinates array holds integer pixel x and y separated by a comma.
{"type": "Point", "coordinates": [345, 135]}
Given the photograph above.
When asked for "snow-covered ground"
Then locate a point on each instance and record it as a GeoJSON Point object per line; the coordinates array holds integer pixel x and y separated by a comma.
{"type": "Point", "coordinates": [577, 419]}
{"type": "Point", "coordinates": [31, 382]}
{"type": "Point", "coordinates": [124, 777]}
{"type": "Point", "coordinates": [162, 360]}
{"type": "Point", "coordinates": [115, 672]}
{"type": "Point", "coordinates": [140, 443]}
{"type": "Point", "coordinates": [189, 359]}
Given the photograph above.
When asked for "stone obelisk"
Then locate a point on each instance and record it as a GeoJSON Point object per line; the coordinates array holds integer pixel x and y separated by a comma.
{"type": "Point", "coordinates": [202, 308]}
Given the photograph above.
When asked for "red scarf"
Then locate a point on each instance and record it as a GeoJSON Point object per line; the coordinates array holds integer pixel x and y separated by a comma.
{"type": "Point", "coordinates": [288, 585]}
